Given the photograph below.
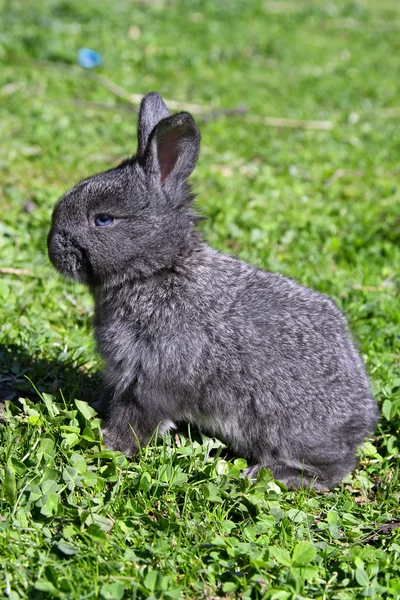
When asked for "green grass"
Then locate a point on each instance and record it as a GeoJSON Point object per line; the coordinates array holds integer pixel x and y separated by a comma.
{"type": "Point", "coordinates": [322, 206]}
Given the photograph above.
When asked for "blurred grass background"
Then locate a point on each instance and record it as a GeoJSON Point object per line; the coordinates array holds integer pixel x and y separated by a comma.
{"type": "Point", "coordinates": [318, 205]}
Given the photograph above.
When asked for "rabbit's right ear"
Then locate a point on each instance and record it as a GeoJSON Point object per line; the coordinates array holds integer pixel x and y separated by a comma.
{"type": "Point", "coordinates": [152, 111]}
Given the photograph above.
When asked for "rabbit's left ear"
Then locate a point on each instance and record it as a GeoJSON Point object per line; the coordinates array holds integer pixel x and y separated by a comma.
{"type": "Point", "coordinates": [173, 149]}
{"type": "Point", "coordinates": [152, 110]}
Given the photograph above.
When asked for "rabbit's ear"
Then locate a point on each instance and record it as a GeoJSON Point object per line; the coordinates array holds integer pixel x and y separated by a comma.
{"type": "Point", "coordinates": [173, 148]}
{"type": "Point", "coordinates": [152, 110]}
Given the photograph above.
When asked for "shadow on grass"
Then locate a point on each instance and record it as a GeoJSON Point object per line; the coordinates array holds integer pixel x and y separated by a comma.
{"type": "Point", "coordinates": [18, 369]}
{"type": "Point", "coordinates": [21, 373]}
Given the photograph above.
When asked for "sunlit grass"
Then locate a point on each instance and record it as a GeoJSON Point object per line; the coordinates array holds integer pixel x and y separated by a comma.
{"type": "Point", "coordinates": [320, 205]}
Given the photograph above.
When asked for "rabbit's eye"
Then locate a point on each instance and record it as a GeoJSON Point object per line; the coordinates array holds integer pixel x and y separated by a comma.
{"type": "Point", "coordinates": [103, 220]}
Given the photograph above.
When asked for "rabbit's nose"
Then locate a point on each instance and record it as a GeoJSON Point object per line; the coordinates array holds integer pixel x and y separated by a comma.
{"type": "Point", "coordinates": [65, 253]}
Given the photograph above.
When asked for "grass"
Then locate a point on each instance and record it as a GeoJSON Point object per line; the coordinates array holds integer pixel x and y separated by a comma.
{"type": "Point", "coordinates": [322, 206]}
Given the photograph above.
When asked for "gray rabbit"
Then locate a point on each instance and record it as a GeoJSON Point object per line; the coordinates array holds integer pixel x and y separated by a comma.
{"type": "Point", "coordinates": [191, 335]}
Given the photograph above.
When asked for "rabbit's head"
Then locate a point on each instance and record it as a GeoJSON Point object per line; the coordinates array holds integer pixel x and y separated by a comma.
{"type": "Point", "coordinates": [134, 219]}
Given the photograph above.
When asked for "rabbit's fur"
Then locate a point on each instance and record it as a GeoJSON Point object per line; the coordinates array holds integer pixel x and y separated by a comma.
{"type": "Point", "coordinates": [189, 334]}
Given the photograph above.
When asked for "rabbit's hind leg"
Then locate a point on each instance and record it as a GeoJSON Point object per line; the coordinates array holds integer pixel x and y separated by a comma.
{"type": "Point", "coordinates": [292, 478]}
{"type": "Point", "coordinates": [318, 476]}
{"type": "Point", "coordinates": [251, 472]}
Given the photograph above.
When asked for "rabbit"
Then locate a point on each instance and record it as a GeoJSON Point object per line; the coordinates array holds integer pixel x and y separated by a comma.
{"type": "Point", "coordinates": [189, 334]}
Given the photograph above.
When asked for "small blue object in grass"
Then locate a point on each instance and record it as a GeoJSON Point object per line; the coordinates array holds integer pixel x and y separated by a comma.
{"type": "Point", "coordinates": [89, 59]}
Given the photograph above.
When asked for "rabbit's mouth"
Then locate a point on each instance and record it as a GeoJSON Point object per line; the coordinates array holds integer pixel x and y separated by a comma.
{"type": "Point", "coordinates": [69, 258]}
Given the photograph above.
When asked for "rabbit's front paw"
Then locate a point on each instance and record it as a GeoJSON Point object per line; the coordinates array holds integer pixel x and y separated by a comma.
{"type": "Point", "coordinates": [114, 441]}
